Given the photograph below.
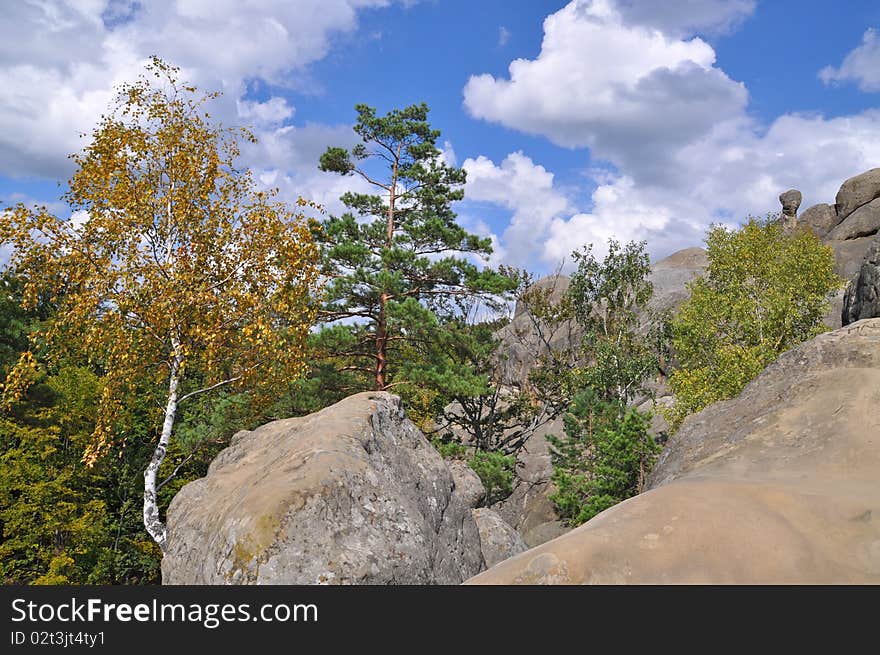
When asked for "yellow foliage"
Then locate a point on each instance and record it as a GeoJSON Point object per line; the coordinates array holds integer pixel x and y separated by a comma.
{"type": "Point", "coordinates": [181, 258]}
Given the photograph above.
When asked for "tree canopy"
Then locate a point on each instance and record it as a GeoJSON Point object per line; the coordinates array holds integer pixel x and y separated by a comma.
{"type": "Point", "coordinates": [397, 259]}
{"type": "Point", "coordinates": [763, 293]}
{"type": "Point", "coordinates": [173, 268]}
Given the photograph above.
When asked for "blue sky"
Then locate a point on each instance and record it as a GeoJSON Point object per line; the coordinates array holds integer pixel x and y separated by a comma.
{"type": "Point", "coordinates": [576, 121]}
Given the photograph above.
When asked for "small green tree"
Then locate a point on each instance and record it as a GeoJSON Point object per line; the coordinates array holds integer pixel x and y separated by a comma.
{"type": "Point", "coordinates": [620, 336]}
{"type": "Point", "coordinates": [763, 293]}
{"type": "Point", "coordinates": [604, 459]}
{"type": "Point", "coordinates": [606, 452]}
{"type": "Point", "coordinates": [397, 260]}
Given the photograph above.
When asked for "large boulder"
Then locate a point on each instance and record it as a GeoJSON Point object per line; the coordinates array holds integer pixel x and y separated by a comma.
{"type": "Point", "coordinates": [521, 343]}
{"type": "Point", "coordinates": [529, 508]}
{"type": "Point", "coordinates": [353, 494]}
{"type": "Point", "coordinates": [776, 486]}
{"type": "Point", "coordinates": [790, 200]}
{"type": "Point", "coordinates": [498, 541]}
{"type": "Point", "coordinates": [849, 255]}
{"type": "Point", "coordinates": [862, 299]}
{"type": "Point", "coordinates": [819, 219]}
{"type": "Point", "coordinates": [863, 222]}
{"type": "Point", "coordinates": [857, 191]}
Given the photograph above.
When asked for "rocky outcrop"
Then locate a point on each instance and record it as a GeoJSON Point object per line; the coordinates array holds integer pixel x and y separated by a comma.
{"type": "Point", "coordinates": [529, 508]}
{"type": "Point", "coordinates": [522, 344]}
{"type": "Point", "coordinates": [862, 299]}
{"type": "Point", "coordinates": [856, 192]}
{"type": "Point", "coordinates": [863, 222]}
{"type": "Point", "coordinates": [467, 483]}
{"type": "Point", "coordinates": [353, 494]}
{"type": "Point", "coordinates": [790, 200]}
{"type": "Point", "coordinates": [819, 219]}
{"type": "Point", "coordinates": [498, 541]}
{"type": "Point", "coordinates": [776, 486]}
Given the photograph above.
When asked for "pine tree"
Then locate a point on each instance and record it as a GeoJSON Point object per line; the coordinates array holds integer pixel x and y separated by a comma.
{"type": "Point", "coordinates": [397, 260]}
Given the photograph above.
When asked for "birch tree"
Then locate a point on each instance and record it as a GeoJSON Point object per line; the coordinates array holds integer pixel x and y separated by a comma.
{"type": "Point", "coordinates": [173, 272]}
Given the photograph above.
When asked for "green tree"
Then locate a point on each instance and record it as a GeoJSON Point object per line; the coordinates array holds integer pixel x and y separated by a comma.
{"type": "Point", "coordinates": [622, 340]}
{"type": "Point", "coordinates": [606, 452]}
{"type": "Point", "coordinates": [184, 278]}
{"type": "Point", "coordinates": [397, 260]}
{"type": "Point", "coordinates": [603, 460]}
{"type": "Point", "coordinates": [763, 293]}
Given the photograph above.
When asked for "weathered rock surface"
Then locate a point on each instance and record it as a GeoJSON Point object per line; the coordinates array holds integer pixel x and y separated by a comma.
{"type": "Point", "coordinates": [863, 222]}
{"type": "Point", "coordinates": [529, 508]}
{"type": "Point", "coordinates": [467, 483]}
{"type": "Point", "coordinates": [670, 277]}
{"type": "Point", "coordinates": [498, 540]}
{"type": "Point", "coordinates": [849, 255]}
{"type": "Point", "coordinates": [521, 344]}
{"type": "Point", "coordinates": [862, 299]}
{"type": "Point", "coordinates": [353, 494]}
{"type": "Point", "coordinates": [776, 486]}
{"type": "Point", "coordinates": [820, 219]}
{"type": "Point", "coordinates": [857, 191]}
{"type": "Point", "coordinates": [790, 200]}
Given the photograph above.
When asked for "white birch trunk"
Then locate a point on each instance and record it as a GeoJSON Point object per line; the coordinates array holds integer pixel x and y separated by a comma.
{"type": "Point", "coordinates": [152, 522]}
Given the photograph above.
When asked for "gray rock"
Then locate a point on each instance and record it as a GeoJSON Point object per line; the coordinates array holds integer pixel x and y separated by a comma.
{"type": "Point", "coordinates": [862, 299]}
{"type": "Point", "coordinates": [849, 255]}
{"type": "Point", "coordinates": [863, 222]}
{"type": "Point", "coordinates": [819, 219]}
{"type": "Point", "coordinates": [670, 277]}
{"type": "Point", "coordinates": [467, 483]}
{"type": "Point", "coordinates": [791, 201]}
{"type": "Point", "coordinates": [521, 345]}
{"type": "Point", "coordinates": [776, 486]}
{"type": "Point", "coordinates": [857, 191]}
{"type": "Point", "coordinates": [498, 540]}
{"type": "Point", "coordinates": [529, 505]}
{"type": "Point", "coordinates": [353, 494]}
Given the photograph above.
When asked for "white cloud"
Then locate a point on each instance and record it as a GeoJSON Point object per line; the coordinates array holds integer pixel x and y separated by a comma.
{"type": "Point", "coordinates": [503, 36]}
{"type": "Point", "coordinates": [524, 188]}
{"type": "Point", "coordinates": [684, 149]}
{"type": "Point", "coordinates": [861, 65]}
{"type": "Point", "coordinates": [61, 61]}
{"type": "Point", "coordinates": [683, 17]}
{"type": "Point", "coordinates": [628, 92]}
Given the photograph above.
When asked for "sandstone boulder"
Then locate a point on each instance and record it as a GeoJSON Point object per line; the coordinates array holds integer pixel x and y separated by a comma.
{"type": "Point", "coordinates": [862, 299]}
{"type": "Point", "coordinates": [353, 494]}
{"type": "Point", "coordinates": [864, 221]}
{"type": "Point", "coordinates": [776, 486]}
{"type": "Point", "coordinates": [467, 483]}
{"type": "Point", "coordinates": [529, 508]}
{"type": "Point", "coordinates": [857, 191]}
{"type": "Point", "coordinates": [790, 200]}
{"type": "Point", "coordinates": [498, 541]}
{"type": "Point", "coordinates": [849, 255]}
{"type": "Point", "coordinates": [819, 219]}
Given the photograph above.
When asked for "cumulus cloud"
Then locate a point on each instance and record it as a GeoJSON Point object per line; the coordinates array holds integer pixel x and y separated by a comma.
{"type": "Point", "coordinates": [524, 188]}
{"type": "Point", "coordinates": [630, 93]}
{"type": "Point", "coordinates": [684, 152]}
{"type": "Point", "coordinates": [684, 17]}
{"type": "Point", "coordinates": [62, 60]}
{"type": "Point", "coordinates": [861, 65]}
